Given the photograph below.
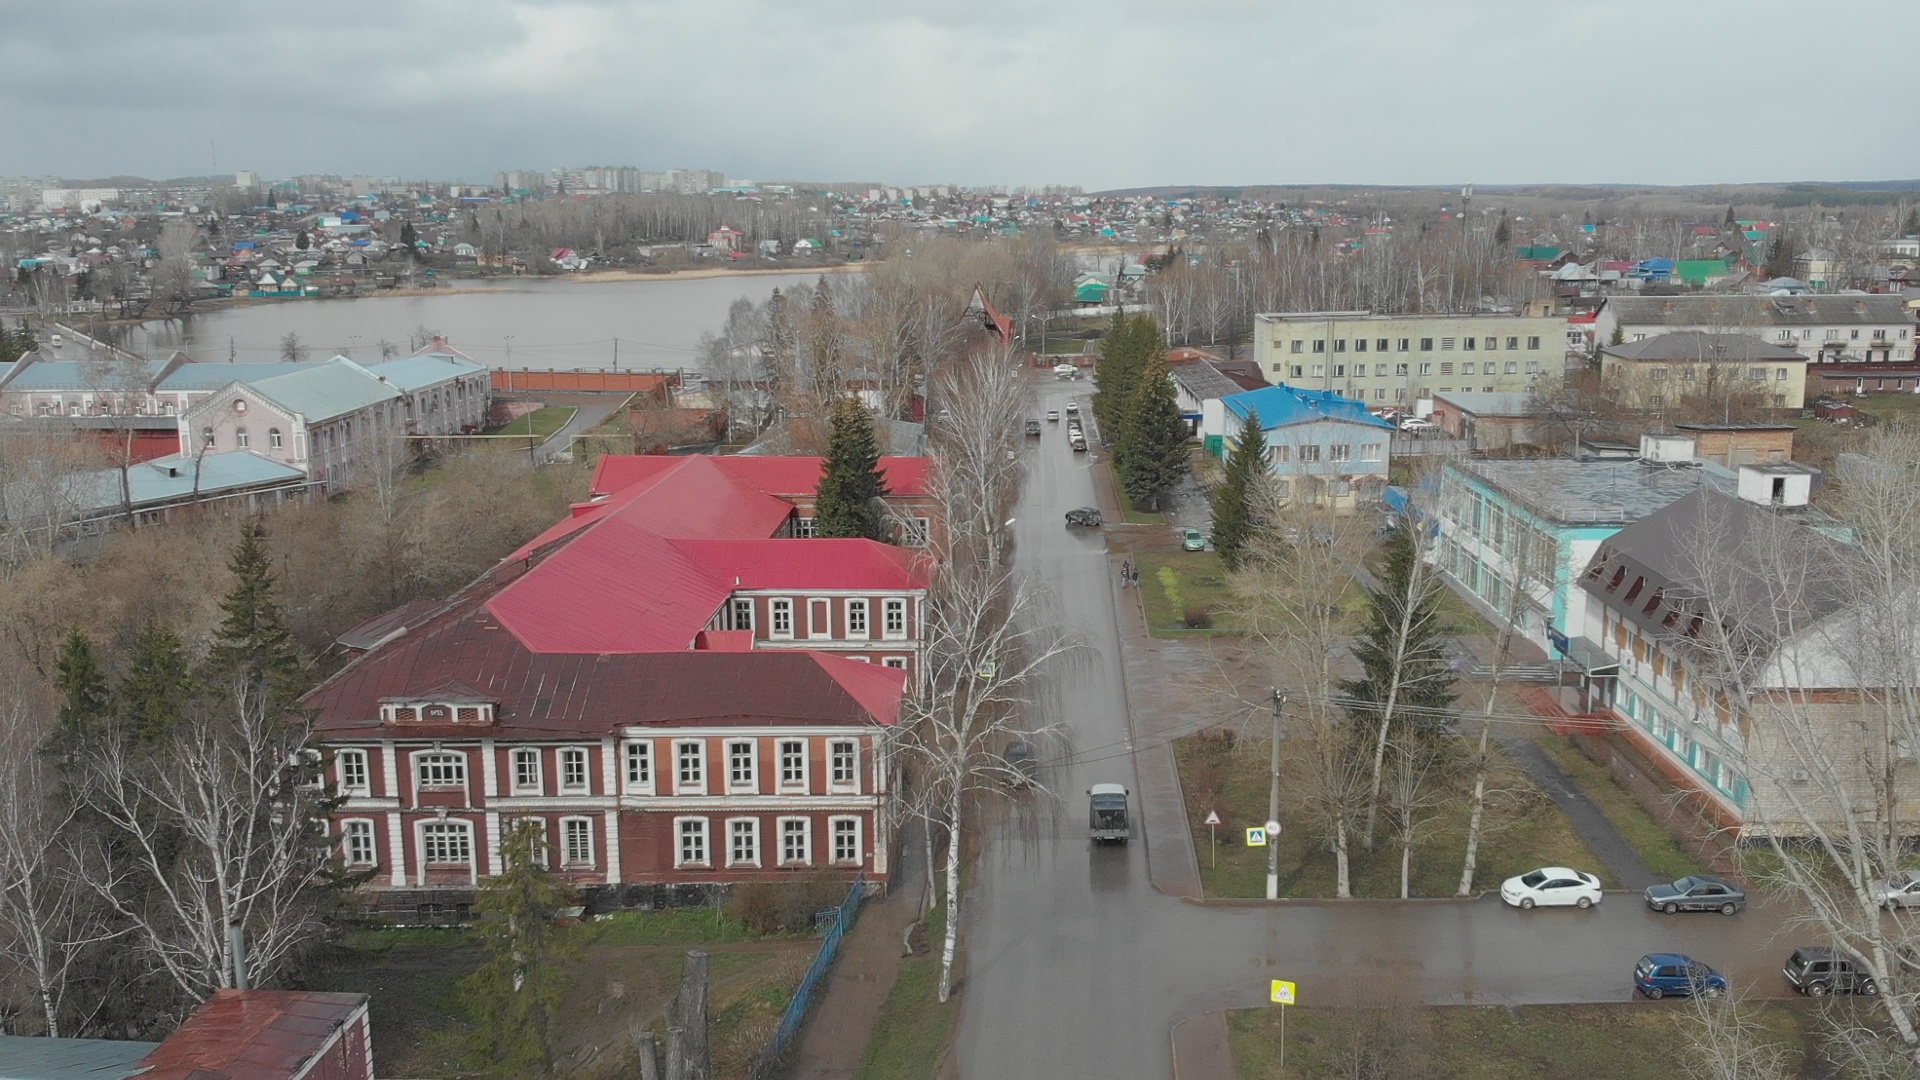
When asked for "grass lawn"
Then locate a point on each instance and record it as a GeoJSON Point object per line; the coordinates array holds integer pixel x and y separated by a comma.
{"type": "Point", "coordinates": [626, 968]}
{"type": "Point", "coordinates": [1199, 578]}
{"type": "Point", "coordinates": [1064, 347]}
{"type": "Point", "coordinates": [540, 423]}
{"type": "Point", "coordinates": [1649, 839]}
{"type": "Point", "coordinates": [914, 1027]}
{"type": "Point", "coordinates": [1524, 830]}
{"type": "Point", "coordinates": [1640, 1040]}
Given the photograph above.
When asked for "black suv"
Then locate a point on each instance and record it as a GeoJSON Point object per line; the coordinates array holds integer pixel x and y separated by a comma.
{"type": "Point", "coordinates": [1817, 971]}
{"type": "Point", "coordinates": [1085, 515]}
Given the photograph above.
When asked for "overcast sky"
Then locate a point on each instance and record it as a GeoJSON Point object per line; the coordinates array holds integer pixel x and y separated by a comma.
{"type": "Point", "coordinates": [1103, 93]}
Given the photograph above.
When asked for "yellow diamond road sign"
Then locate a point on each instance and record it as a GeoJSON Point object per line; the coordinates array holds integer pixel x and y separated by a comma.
{"type": "Point", "coordinates": [1282, 992]}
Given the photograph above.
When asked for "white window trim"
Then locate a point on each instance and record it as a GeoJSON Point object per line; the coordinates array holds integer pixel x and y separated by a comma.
{"type": "Point", "coordinates": [585, 786]}
{"type": "Point", "coordinates": [566, 860]}
{"type": "Point", "coordinates": [738, 606]}
{"type": "Point", "coordinates": [365, 786]}
{"type": "Point", "coordinates": [843, 787]}
{"type": "Point", "coordinates": [806, 841]}
{"type": "Point", "coordinates": [373, 842]}
{"type": "Point", "coordinates": [627, 755]}
{"type": "Point", "coordinates": [777, 606]}
{"type": "Point", "coordinates": [887, 605]}
{"type": "Point", "coordinates": [458, 825]}
{"type": "Point", "coordinates": [859, 841]}
{"type": "Point", "coordinates": [539, 784]}
{"type": "Point", "coordinates": [754, 828]}
{"type": "Point", "coordinates": [819, 629]}
{"type": "Point", "coordinates": [687, 787]}
{"type": "Point", "coordinates": [865, 608]}
{"type": "Point", "coordinates": [679, 842]}
{"type": "Point", "coordinates": [898, 663]}
{"type": "Point", "coordinates": [418, 757]}
{"type": "Point", "coordinates": [751, 784]}
{"type": "Point", "coordinates": [805, 782]}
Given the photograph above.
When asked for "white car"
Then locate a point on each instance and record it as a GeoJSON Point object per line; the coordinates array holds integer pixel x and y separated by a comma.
{"type": "Point", "coordinates": [1552, 886]}
{"type": "Point", "coordinates": [1053, 416]}
{"type": "Point", "coordinates": [1415, 425]}
{"type": "Point", "coordinates": [1900, 890]}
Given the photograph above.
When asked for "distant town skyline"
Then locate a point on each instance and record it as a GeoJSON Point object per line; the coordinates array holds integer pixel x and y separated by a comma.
{"type": "Point", "coordinates": [1109, 95]}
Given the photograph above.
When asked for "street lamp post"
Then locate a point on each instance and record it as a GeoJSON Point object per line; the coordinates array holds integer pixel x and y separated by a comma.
{"type": "Point", "coordinates": [1273, 804]}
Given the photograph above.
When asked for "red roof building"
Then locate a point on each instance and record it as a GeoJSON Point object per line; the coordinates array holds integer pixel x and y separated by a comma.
{"type": "Point", "coordinates": [268, 1035]}
{"type": "Point", "coordinates": [677, 680]}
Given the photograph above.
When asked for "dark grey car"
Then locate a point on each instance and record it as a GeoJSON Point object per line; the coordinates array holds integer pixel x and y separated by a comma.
{"type": "Point", "coordinates": [1701, 892]}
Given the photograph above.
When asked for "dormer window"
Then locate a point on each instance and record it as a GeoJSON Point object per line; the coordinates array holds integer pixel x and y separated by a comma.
{"type": "Point", "coordinates": [439, 712]}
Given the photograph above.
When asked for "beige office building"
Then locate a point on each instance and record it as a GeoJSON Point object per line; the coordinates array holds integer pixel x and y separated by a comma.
{"type": "Point", "coordinates": [1398, 359]}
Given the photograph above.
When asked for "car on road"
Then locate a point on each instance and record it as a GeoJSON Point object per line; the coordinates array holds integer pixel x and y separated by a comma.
{"type": "Point", "coordinates": [1900, 890]}
{"type": "Point", "coordinates": [1053, 416]}
{"type": "Point", "coordinates": [1551, 886]}
{"type": "Point", "coordinates": [1033, 426]}
{"type": "Point", "coordinates": [1665, 974]}
{"type": "Point", "coordinates": [1414, 425]}
{"type": "Point", "coordinates": [1079, 443]}
{"type": "Point", "coordinates": [1817, 971]}
{"type": "Point", "coordinates": [1193, 540]}
{"type": "Point", "coordinates": [1065, 371]}
{"type": "Point", "coordinates": [1085, 515]}
{"type": "Point", "coordinates": [1701, 892]}
{"type": "Point", "coordinates": [1073, 408]}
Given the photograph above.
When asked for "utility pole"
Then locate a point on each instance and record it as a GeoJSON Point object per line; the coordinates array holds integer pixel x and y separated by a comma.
{"type": "Point", "coordinates": [1273, 804]}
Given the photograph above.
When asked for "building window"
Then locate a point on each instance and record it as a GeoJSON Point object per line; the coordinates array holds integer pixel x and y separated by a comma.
{"type": "Point", "coordinates": [1403, 343]}
{"type": "Point", "coordinates": [445, 842]}
{"type": "Point", "coordinates": [780, 613]}
{"type": "Point", "coordinates": [357, 842]}
{"type": "Point", "coordinates": [1779, 374]}
{"type": "Point", "coordinates": [1380, 345]}
{"type": "Point", "coordinates": [1340, 452]}
{"type": "Point", "coordinates": [1370, 451]}
{"type": "Point", "coordinates": [693, 841]}
{"type": "Point", "coordinates": [1657, 373]}
{"type": "Point", "coordinates": [1309, 452]}
{"type": "Point", "coordinates": [741, 615]}
{"type": "Point", "coordinates": [893, 623]}
{"type": "Point", "coordinates": [1380, 370]}
{"type": "Point", "coordinates": [856, 618]}
{"type": "Point", "coordinates": [1512, 368]}
{"type": "Point", "coordinates": [1656, 401]}
{"type": "Point", "coordinates": [274, 439]}
{"type": "Point", "coordinates": [806, 528]}
{"type": "Point", "coordinates": [1533, 368]}
{"type": "Point", "coordinates": [793, 764]}
{"type": "Point", "coordinates": [526, 772]}
{"type": "Point", "coordinates": [844, 758]}
{"type": "Point", "coordinates": [1319, 345]}
{"type": "Point", "coordinates": [1399, 369]}
{"type": "Point", "coordinates": [1757, 374]}
{"type": "Point", "coordinates": [241, 438]}
{"type": "Point", "coordinates": [206, 436]}
{"type": "Point", "coordinates": [897, 662]}
{"type": "Point", "coordinates": [1493, 343]}
{"type": "Point", "coordinates": [1514, 342]}
{"type": "Point", "coordinates": [743, 847]}
{"type": "Point", "coordinates": [1359, 344]}
{"type": "Point", "coordinates": [915, 532]}
{"type": "Point", "coordinates": [640, 768]}
{"type": "Point", "coordinates": [353, 772]}
{"type": "Point", "coordinates": [1296, 371]}
{"type": "Point", "coordinates": [1467, 344]}
{"type": "Point", "coordinates": [1280, 454]}
{"type": "Point", "coordinates": [846, 841]}
{"type": "Point", "coordinates": [1319, 370]}
{"type": "Point", "coordinates": [1426, 367]}
{"type": "Point", "coordinates": [1467, 368]}
{"type": "Point", "coordinates": [441, 770]}
{"type": "Point", "coordinates": [1340, 371]}
{"type": "Point", "coordinates": [819, 618]}
{"type": "Point", "coordinates": [1297, 346]}
{"type": "Point", "coordinates": [740, 765]}
{"type": "Point", "coordinates": [1339, 344]}
{"type": "Point", "coordinates": [576, 842]}
{"type": "Point", "coordinates": [692, 759]}
{"type": "Point", "coordinates": [1533, 343]}
{"type": "Point", "coordinates": [796, 841]}
{"type": "Point", "coordinates": [573, 770]}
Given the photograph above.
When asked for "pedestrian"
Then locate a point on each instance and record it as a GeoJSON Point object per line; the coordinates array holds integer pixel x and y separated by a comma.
{"type": "Point", "coordinates": [1126, 573]}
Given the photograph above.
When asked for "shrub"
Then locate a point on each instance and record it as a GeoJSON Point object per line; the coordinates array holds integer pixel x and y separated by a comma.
{"type": "Point", "coordinates": [1197, 617]}
{"type": "Point", "coordinates": [1170, 584]}
{"type": "Point", "coordinates": [769, 907]}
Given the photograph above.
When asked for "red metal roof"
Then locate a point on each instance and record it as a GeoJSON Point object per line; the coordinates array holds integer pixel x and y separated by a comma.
{"type": "Point", "coordinates": [772, 474]}
{"type": "Point", "coordinates": [804, 564]}
{"type": "Point", "coordinates": [548, 695]}
{"type": "Point", "coordinates": [251, 1035]}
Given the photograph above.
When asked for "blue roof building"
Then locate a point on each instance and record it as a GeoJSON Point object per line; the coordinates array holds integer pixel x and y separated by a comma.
{"type": "Point", "coordinates": [1322, 448]}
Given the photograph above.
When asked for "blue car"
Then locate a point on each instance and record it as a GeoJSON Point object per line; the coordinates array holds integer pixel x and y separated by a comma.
{"type": "Point", "coordinates": [1662, 974]}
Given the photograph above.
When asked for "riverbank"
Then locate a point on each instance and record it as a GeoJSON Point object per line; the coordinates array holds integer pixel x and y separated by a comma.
{"type": "Point", "coordinates": [597, 277]}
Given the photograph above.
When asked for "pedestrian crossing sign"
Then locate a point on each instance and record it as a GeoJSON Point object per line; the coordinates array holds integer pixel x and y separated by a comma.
{"type": "Point", "coordinates": [1257, 837]}
{"type": "Point", "coordinates": [1282, 992]}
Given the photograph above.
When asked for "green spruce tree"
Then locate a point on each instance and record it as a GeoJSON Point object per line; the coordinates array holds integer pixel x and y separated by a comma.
{"type": "Point", "coordinates": [852, 485]}
{"type": "Point", "coordinates": [1502, 233]}
{"type": "Point", "coordinates": [253, 651]}
{"type": "Point", "coordinates": [1235, 506]}
{"type": "Point", "coordinates": [1779, 255]}
{"type": "Point", "coordinates": [152, 695]}
{"type": "Point", "coordinates": [1150, 452]}
{"type": "Point", "coordinates": [1731, 220]}
{"type": "Point", "coordinates": [1130, 343]}
{"type": "Point", "coordinates": [409, 238]}
{"type": "Point", "coordinates": [86, 703]}
{"type": "Point", "coordinates": [514, 998]}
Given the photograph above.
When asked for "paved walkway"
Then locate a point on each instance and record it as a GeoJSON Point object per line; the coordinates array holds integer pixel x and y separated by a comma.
{"type": "Point", "coordinates": [833, 1041]}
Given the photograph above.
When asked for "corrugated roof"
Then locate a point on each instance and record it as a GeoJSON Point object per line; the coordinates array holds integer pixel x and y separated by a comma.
{"type": "Point", "coordinates": [782, 475]}
{"type": "Point", "coordinates": [804, 564]}
{"type": "Point", "coordinates": [191, 377]}
{"type": "Point", "coordinates": [415, 372]}
{"type": "Point", "coordinates": [1733, 311]}
{"type": "Point", "coordinates": [1284, 405]}
{"type": "Point", "coordinates": [48, 375]}
{"type": "Point", "coordinates": [164, 480]}
{"type": "Point", "coordinates": [251, 1035]}
{"type": "Point", "coordinates": [1700, 348]}
{"type": "Point", "coordinates": [24, 1058]}
{"type": "Point", "coordinates": [323, 391]}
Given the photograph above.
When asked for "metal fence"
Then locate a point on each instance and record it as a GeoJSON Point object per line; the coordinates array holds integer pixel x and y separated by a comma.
{"type": "Point", "coordinates": [838, 922]}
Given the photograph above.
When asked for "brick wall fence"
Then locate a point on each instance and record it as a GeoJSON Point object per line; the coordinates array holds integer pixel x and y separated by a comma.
{"type": "Point", "coordinates": [1675, 809]}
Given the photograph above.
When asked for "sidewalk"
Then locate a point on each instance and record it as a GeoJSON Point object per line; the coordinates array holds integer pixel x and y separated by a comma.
{"type": "Point", "coordinates": [833, 1040]}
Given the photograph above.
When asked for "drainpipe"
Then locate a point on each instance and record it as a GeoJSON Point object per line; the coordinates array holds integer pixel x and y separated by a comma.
{"type": "Point", "coordinates": [237, 945]}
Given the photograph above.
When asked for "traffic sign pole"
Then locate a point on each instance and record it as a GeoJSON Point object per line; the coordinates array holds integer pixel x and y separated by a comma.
{"type": "Point", "coordinates": [1213, 835]}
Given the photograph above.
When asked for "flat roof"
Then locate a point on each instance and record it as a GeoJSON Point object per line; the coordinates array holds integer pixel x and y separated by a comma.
{"type": "Point", "coordinates": [1607, 491]}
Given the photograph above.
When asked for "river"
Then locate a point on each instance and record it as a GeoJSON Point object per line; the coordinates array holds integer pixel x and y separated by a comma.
{"type": "Point", "coordinates": [519, 323]}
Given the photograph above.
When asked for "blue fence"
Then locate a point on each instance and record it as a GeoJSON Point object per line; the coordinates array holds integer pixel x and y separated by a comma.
{"type": "Point", "coordinates": [837, 922]}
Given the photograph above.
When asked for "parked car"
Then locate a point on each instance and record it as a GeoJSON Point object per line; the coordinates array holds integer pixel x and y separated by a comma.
{"type": "Point", "coordinates": [1085, 515]}
{"type": "Point", "coordinates": [1701, 892]}
{"type": "Point", "coordinates": [1079, 443]}
{"type": "Point", "coordinates": [1073, 408]}
{"type": "Point", "coordinates": [1664, 974]}
{"type": "Point", "coordinates": [1193, 540]}
{"type": "Point", "coordinates": [1033, 426]}
{"type": "Point", "coordinates": [1817, 971]}
{"type": "Point", "coordinates": [1414, 425]}
{"type": "Point", "coordinates": [1053, 416]}
{"type": "Point", "coordinates": [1900, 890]}
{"type": "Point", "coordinates": [1551, 886]}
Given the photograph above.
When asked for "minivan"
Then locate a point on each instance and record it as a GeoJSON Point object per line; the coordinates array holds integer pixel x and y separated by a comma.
{"type": "Point", "coordinates": [1817, 971]}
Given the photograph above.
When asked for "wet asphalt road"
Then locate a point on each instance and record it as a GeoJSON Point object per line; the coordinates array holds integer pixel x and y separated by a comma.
{"type": "Point", "coordinates": [1077, 967]}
